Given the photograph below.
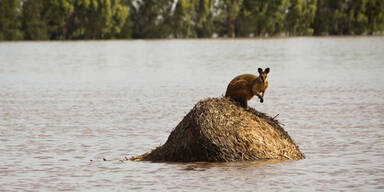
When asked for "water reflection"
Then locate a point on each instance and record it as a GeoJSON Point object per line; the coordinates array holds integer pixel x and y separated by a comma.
{"type": "Point", "coordinates": [202, 166]}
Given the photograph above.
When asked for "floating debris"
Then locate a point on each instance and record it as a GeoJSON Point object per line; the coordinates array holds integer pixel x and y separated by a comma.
{"type": "Point", "coordinates": [218, 129]}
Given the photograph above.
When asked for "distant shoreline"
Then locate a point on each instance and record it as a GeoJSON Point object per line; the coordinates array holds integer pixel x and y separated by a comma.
{"type": "Point", "coordinates": [212, 38]}
{"type": "Point", "coordinates": [141, 19]}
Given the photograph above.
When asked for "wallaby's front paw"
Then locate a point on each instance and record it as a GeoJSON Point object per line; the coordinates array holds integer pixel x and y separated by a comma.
{"type": "Point", "coordinates": [261, 100]}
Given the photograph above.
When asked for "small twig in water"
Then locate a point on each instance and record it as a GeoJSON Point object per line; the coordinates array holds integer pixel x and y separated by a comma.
{"type": "Point", "coordinates": [273, 118]}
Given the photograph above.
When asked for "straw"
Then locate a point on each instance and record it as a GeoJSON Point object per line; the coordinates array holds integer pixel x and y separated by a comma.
{"type": "Point", "coordinates": [218, 129]}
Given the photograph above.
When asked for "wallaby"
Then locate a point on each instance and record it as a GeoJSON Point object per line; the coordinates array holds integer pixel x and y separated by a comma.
{"type": "Point", "coordinates": [243, 87]}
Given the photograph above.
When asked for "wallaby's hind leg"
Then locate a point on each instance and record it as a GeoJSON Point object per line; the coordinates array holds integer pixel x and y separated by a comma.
{"type": "Point", "coordinates": [243, 102]}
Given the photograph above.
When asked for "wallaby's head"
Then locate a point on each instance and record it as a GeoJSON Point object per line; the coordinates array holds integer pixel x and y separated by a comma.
{"type": "Point", "coordinates": [263, 74]}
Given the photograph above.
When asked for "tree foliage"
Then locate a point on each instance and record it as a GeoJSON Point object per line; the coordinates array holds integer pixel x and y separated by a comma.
{"type": "Point", "coordinates": [343, 17]}
{"type": "Point", "coordinates": [33, 23]}
{"type": "Point", "coordinates": [109, 19]}
{"type": "Point", "coordinates": [193, 18]}
{"type": "Point", "coordinates": [301, 14]}
{"type": "Point", "coordinates": [10, 23]}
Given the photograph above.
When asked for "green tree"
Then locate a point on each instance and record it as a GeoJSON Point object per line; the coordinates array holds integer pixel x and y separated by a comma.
{"type": "Point", "coordinates": [321, 18]}
{"type": "Point", "coordinates": [115, 16]}
{"type": "Point", "coordinates": [275, 16]}
{"type": "Point", "coordinates": [331, 17]}
{"type": "Point", "coordinates": [151, 18]}
{"type": "Point", "coordinates": [182, 20]}
{"type": "Point", "coordinates": [375, 15]}
{"type": "Point", "coordinates": [55, 14]}
{"type": "Point", "coordinates": [193, 18]}
{"type": "Point", "coordinates": [203, 17]}
{"type": "Point", "coordinates": [126, 30]}
{"type": "Point", "coordinates": [265, 17]}
{"type": "Point", "coordinates": [232, 10]}
{"type": "Point", "coordinates": [99, 19]}
{"type": "Point", "coordinates": [220, 18]}
{"type": "Point", "coordinates": [340, 17]}
{"type": "Point", "coordinates": [356, 18]}
{"type": "Point", "coordinates": [245, 22]}
{"type": "Point", "coordinates": [108, 19]}
{"type": "Point", "coordinates": [300, 17]}
{"type": "Point", "coordinates": [10, 23]}
{"type": "Point", "coordinates": [33, 25]}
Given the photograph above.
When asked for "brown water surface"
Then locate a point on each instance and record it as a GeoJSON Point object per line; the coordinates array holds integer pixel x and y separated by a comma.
{"type": "Point", "coordinates": [64, 106]}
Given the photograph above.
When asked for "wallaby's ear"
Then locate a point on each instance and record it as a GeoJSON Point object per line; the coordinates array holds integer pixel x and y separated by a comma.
{"type": "Point", "coordinates": [260, 70]}
{"type": "Point", "coordinates": [266, 70]}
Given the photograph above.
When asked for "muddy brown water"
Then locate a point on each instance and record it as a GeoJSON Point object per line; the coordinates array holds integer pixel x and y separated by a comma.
{"type": "Point", "coordinates": [64, 106]}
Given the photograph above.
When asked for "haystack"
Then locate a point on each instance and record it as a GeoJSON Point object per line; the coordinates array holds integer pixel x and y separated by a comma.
{"type": "Point", "coordinates": [217, 129]}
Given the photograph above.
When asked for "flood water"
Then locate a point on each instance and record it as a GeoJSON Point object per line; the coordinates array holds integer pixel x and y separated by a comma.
{"type": "Point", "coordinates": [64, 106]}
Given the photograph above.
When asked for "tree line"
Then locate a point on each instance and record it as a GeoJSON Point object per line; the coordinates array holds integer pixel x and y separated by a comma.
{"type": "Point", "coordinates": [124, 19]}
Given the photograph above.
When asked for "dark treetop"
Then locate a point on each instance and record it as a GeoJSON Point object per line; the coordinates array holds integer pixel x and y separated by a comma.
{"type": "Point", "coordinates": [125, 19]}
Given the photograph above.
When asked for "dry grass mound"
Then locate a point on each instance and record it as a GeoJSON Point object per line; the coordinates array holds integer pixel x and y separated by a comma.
{"type": "Point", "coordinates": [217, 129]}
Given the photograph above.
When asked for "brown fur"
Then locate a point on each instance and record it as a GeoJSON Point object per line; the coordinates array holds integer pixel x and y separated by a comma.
{"type": "Point", "coordinates": [243, 87]}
